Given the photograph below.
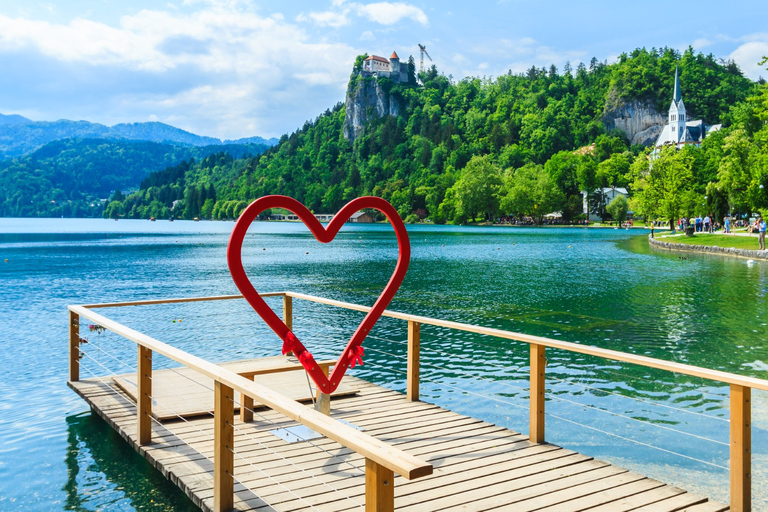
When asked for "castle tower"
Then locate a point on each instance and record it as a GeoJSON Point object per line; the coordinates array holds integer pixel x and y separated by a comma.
{"type": "Point", "coordinates": [677, 115]}
{"type": "Point", "coordinates": [394, 67]}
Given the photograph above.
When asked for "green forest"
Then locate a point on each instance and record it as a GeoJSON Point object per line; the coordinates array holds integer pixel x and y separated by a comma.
{"type": "Point", "coordinates": [481, 148]}
{"type": "Point", "coordinates": [71, 177]}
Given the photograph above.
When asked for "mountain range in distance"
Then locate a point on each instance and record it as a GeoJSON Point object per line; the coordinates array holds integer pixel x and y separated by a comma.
{"type": "Point", "coordinates": [20, 136]}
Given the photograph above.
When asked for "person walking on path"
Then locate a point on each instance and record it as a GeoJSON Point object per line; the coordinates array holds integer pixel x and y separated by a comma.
{"type": "Point", "coordinates": [707, 225]}
{"type": "Point", "coordinates": [727, 223]}
{"type": "Point", "coordinates": [761, 233]}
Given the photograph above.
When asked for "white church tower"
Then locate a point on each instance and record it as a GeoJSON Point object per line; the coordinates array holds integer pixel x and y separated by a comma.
{"type": "Point", "coordinates": [680, 130]}
{"type": "Point", "coordinates": [676, 113]}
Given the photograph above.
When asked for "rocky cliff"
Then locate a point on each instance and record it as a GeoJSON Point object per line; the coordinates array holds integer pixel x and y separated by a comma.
{"type": "Point", "coordinates": [366, 100]}
{"type": "Point", "coordinates": [640, 121]}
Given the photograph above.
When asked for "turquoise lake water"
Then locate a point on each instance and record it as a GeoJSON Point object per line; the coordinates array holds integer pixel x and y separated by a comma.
{"type": "Point", "coordinates": [601, 287]}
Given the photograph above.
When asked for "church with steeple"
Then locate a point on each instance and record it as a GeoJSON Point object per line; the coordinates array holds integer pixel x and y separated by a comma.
{"type": "Point", "coordinates": [679, 130]}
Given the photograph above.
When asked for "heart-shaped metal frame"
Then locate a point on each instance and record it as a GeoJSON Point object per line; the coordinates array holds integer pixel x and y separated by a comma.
{"type": "Point", "coordinates": [353, 352]}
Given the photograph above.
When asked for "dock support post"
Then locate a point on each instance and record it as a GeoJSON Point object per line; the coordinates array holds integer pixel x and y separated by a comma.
{"type": "Point", "coordinates": [144, 396]}
{"type": "Point", "coordinates": [223, 451]}
{"type": "Point", "coordinates": [414, 354]}
{"type": "Point", "coordinates": [741, 448]}
{"type": "Point", "coordinates": [379, 488]}
{"type": "Point", "coordinates": [74, 347]}
{"type": "Point", "coordinates": [538, 364]}
{"type": "Point", "coordinates": [288, 311]}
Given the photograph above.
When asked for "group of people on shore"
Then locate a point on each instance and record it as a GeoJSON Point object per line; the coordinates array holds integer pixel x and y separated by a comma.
{"type": "Point", "coordinates": [707, 225]}
{"type": "Point", "coordinates": [701, 225]}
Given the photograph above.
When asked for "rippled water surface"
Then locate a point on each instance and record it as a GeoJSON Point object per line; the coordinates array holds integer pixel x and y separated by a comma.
{"type": "Point", "coordinates": [601, 287]}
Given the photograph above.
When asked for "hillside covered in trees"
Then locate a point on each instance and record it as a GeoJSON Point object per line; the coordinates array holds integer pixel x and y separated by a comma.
{"type": "Point", "coordinates": [479, 148]}
{"type": "Point", "coordinates": [69, 177]}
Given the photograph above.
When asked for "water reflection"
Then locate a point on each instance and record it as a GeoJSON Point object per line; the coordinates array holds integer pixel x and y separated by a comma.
{"type": "Point", "coordinates": [105, 473]}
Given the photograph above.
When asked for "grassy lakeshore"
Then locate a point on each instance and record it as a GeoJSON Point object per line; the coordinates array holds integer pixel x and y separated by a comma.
{"type": "Point", "coordinates": [740, 241]}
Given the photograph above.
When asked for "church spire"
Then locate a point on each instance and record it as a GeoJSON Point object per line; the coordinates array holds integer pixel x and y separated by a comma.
{"type": "Point", "coordinates": [678, 95]}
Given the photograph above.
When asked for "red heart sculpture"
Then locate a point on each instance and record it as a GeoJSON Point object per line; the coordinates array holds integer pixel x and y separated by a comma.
{"type": "Point", "coordinates": [353, 352]}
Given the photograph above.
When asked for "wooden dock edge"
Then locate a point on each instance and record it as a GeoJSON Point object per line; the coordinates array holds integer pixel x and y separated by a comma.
{"type": "Point", "coordinates": [187, 485]}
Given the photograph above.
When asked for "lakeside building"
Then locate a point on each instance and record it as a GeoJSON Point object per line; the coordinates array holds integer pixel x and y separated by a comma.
{"type": "Point", "coordinates": [680, 130]}
{"type": "Point", "coordinates": [605, 196]}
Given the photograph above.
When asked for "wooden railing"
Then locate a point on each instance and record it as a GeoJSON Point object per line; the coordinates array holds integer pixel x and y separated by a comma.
{"type": "Point", "coordinates": [388, 460]}
{"type": "Point", "coordinates": [381, 460]}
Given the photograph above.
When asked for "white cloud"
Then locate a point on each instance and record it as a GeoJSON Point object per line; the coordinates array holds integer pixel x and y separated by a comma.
{"type": "Point", "coordinates": [747, 57]}
{"type": "Point", "coordinates": [383, 13]}
{"type": "Point", "coordinates": [327, 18]}
{"type": "Point", "coordinates": [226, 65]}
{"type": "Point", "coordinates": [388, 13]}
{"type": "Point", "coordinates": [515, 55]}
{"type": "Point", "coordinates": [367, 36]}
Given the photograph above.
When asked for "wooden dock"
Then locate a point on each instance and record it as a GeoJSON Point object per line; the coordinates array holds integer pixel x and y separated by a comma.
{"type": "Point", "coordinates": [477, 466]}
{"type": "Point", "coordinates": [376, 449]}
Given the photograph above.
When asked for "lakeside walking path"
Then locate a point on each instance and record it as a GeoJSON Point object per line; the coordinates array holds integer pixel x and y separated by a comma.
{"type": "Point", "coordinates": [668, 242]}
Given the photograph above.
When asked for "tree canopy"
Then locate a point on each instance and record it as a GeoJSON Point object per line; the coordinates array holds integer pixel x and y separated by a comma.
{"type": "Point", "coordinates": [478, 148]}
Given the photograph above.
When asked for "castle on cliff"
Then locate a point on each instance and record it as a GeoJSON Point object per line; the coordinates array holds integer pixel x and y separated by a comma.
{"type": "Point", "coordinates": [390, 68]}
{"type": "Point", "coordinates": [680, 131]}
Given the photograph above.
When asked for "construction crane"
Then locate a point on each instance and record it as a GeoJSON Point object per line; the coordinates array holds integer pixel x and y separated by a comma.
{"type": "Point", "coordinates": [423, 50]}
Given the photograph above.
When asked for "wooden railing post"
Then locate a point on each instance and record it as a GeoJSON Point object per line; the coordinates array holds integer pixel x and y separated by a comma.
{"type": "Point", "coordinates": [538, 364]}
{"type": "Point", "coordinates": [741, 448]}
{"type": "Point", "coordinates": [288, 311]}
{"type": "Point", "coordinates": [74, 347]}
{"type": "Point", "coordinates": [144, 396]}
{"type": "Point", "coordinates": [379, 488]}
{"type": "Point", "coordinates": [414, 352]}
{"type": "Point", "coordinates": [224, 444]}
{"type": "Point", "coordinates": [246, 407]}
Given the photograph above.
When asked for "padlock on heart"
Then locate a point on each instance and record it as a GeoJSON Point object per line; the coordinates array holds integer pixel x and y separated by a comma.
{"type": "Point", "coordinates": [353, 352]}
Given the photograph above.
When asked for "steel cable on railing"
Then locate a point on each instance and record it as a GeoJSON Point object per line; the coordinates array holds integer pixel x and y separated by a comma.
{"type": "Point", "coordinates": [453, 370]}
{"type": "Point", "coordinates": [564, 419]}
{"type": "Point", "coordinates": [569, 382]}
{"type": "Point", "coordinates": [452, 387]}
{"type": "Point", "coordinates": [553, 396]}
{"type": "Point", "coordinates": [267, 421]}
{"type": "Point", "coordinates": [635, 441]}
{"type": "Point", "coordinates": [442, 368]}
{"type": "Point", "coordinates": [270, 450]}
{"type": "Point", "coordinates": [698, 389]}
{"type": "Point", "coordinates": [552, 415]}
{"type": "Point", "coordinates": [262, 446]}
{"type": "Point", "coordinates": [658, 404]}
{"type": "Point", "coordinates": [197, 429]}
{"type": "Point", "coordinates": [577, 383]}
{"type": "Point", "coordinates": [628, 378]}
{"type": "Point", "coordinates": [253, 411]}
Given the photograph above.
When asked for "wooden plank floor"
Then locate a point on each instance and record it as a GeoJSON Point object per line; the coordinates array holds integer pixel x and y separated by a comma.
{"type": "Point", "coordinates": [197, 399]}
{"type": "Point", "coordinates": [478, 466]}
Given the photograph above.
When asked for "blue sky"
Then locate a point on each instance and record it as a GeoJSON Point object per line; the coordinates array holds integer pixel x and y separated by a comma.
{"type": "Point", "coordinates": [238, 68]}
